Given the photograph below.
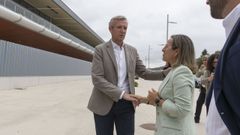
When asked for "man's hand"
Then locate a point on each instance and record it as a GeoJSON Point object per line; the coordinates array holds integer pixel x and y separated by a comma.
{"type": "Point", "coordinates": [141, 99]}
{"type": "Point", "coordinates": [127, 97]}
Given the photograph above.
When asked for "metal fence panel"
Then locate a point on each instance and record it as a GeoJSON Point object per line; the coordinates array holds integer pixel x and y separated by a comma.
{"type": "Point", "coordinates": [19, 60]}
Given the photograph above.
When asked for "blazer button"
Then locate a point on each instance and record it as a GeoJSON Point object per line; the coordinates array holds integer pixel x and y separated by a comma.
{"type": "Point", "coordinates": [222, 113]}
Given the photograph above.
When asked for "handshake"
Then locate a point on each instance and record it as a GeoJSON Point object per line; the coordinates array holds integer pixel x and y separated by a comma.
{"type": "Point", "coordinates": [153, 98]}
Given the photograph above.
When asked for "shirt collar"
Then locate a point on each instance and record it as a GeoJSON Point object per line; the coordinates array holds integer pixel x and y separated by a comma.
{"type": "Point", "coordinates": [115, 46]}
{"type": "Point", "coordinates": [230, 20]}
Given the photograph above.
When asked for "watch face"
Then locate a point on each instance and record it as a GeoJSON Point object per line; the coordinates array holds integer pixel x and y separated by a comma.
{"type": "Point", "coordinates": [157, 101]}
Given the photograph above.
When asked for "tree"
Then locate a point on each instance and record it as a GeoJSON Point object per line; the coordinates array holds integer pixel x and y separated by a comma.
{"type": "Point", "coordinates": [204, 52]}
{"type": "Point", "coordinates": [199, 60]}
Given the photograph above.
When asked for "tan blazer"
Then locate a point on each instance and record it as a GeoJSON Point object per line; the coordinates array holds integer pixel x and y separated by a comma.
{"type": "Point", "coordinates": [104, 76]}
{"type": "Point", "coordinates": [175, 117]}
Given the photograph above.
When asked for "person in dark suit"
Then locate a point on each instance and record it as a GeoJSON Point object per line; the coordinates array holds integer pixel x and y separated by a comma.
{"type": "Point", "coordinates": [113, 71]}
{"type": "Point", "coordinates": [224, 96]}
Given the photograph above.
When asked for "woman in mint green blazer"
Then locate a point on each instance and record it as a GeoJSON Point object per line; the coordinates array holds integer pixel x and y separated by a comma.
{"type": "Point", "coordinates": [174, 99]}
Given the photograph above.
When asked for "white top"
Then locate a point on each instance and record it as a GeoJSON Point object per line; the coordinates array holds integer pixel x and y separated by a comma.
{"type": "Point", "coordinates": [215, 124]}
{"type": "Point", "coordinates": [230, 20]}
{"type": "Point", "coordinates": [119, 53]}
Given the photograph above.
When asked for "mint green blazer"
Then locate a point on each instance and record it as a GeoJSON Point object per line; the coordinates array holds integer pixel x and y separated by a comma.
{"type": "Point", "coordinates": [175, 116]}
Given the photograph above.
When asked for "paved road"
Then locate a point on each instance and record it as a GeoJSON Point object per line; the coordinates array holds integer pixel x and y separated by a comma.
{"type": "Point", "coordinates": [60, 109]}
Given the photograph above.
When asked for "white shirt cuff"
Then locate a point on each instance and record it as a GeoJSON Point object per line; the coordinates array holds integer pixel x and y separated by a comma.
{"type": "Point", "coordinates": [122, 95]}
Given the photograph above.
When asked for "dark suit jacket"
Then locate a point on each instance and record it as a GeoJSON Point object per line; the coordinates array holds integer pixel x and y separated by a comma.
{"type": "Point", "coordinates": [226, 84]}
{"type": "Point", "coordinates": [105, 76]}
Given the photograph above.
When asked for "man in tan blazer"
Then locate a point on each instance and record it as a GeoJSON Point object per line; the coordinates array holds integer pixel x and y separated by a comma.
{"type": "Point", "coordinates": [113, 70]}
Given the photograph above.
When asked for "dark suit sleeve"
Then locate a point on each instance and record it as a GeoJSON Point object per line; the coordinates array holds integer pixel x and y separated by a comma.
{"type": "Point", "coordinates": [231, 82]}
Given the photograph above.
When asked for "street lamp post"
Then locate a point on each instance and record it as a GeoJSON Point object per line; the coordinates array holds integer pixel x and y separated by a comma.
{"type": "Point", "coordinates": [168, 26]}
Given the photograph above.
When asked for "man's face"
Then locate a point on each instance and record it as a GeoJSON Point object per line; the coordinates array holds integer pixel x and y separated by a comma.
{"type": "Point", "coordinates": [217, 7]}
{"type": "Point", "coordinates": [118, 31]}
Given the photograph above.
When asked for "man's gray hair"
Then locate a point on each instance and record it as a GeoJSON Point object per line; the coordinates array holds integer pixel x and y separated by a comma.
{"type": "Point", "coordinates": [117, 18]}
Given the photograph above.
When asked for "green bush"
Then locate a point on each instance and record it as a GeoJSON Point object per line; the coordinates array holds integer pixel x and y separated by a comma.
{"type": "Point", "coordinates": [135, 84]}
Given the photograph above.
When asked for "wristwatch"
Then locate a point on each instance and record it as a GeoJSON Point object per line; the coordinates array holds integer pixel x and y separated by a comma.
{"type": "Point", "coordinates": [157, 101]}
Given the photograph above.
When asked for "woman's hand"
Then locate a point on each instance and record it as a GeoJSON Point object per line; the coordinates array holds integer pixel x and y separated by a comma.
{"type": "Point", "coordinates": [210, 78]}
{"type": "Point", "coordinates": [152, 96]}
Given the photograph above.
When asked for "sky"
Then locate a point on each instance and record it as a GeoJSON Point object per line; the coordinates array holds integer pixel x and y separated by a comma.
{"type": "Point", "coordinates": [147, 23]}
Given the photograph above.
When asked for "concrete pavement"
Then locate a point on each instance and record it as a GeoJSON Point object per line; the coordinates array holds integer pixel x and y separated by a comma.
{"type": "Point", "coordinates": [60, 109]}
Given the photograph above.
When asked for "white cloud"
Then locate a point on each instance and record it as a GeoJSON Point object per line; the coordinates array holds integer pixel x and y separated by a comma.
{"type": "Point", "coordinates": [147, 23]}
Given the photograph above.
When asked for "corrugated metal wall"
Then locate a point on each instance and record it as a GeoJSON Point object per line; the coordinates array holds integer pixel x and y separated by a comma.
{"type": "Point", "coordinates": [19, 60]}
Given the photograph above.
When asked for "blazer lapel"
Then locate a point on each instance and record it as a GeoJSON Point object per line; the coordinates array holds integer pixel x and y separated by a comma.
{"type": "Point", "coordinates": [230, 41]}
{"type": "Point", "coordinates": [164, 82]}
{"type": "Point", "coordinates": [233, 36]}
{"type": "Point", "coordinates": [111, 54]}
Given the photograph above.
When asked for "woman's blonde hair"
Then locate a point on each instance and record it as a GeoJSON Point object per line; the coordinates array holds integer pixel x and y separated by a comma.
{"type": "Point", "coordinates": [186, 54]}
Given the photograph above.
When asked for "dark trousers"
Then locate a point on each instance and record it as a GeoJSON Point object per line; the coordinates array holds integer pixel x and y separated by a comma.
{"type": "Point", "coordinates": [121, 114]}
{"type": "Point", "coordinates": [200, 102]}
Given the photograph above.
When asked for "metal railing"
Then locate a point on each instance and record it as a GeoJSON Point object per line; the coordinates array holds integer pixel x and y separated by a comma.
{"type": "Point", "coordinates": [34, 17]}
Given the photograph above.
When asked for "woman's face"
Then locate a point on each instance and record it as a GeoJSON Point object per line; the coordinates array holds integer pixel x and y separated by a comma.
{"type": "Point", "coordinates": [169, 55]}
{"type": "Point", "coordinates": [215, 62]}
{"type": "Point", "coordinates": [205, 61]}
